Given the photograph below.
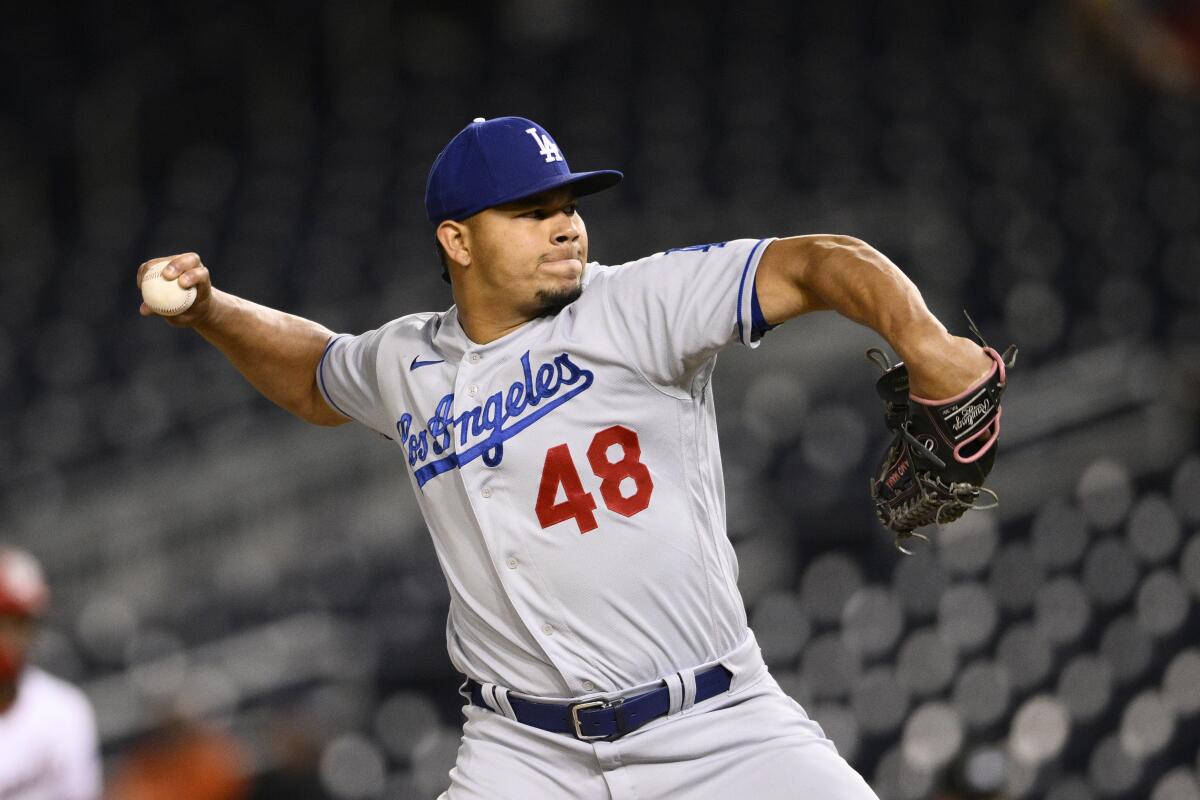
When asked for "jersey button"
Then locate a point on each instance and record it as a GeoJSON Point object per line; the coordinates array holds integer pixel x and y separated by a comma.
{"type": "Point", "coordinates": [548, 629]}
{"type": "Point", "coordinates": [588, 686]}
{"type": "Point", "coordinates": [512, 563]}
{"type": "Point", "coordinates": [486, 491]}
{"type": "Point", "coordinates": [472, 390]}
{"type": "Point", "coordinates": [473, 358]}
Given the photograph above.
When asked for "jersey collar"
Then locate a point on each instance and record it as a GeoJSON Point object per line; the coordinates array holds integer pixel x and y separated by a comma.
{"type": "Point", "coordinates": [452, 342]}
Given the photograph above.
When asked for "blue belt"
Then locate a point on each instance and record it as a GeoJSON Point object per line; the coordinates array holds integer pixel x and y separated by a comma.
{"type": "Point", "coordinates": [593, 720]}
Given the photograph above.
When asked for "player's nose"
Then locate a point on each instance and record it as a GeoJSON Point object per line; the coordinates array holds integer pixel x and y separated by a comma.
{"type": "Point", "coordinates": [565, 228]}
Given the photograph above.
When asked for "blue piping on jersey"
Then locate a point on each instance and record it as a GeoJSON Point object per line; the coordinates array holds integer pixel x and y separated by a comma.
{"type": "Point", "coordinates": [758, 322]}
{"type": "Point", "coordinates": [742, 288]}
{"type": "Point", "coordinates": [321, 376]}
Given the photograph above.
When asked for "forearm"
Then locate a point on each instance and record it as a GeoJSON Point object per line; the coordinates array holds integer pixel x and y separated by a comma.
{"type": "Point", "coordinates": [275, 351]}
{"type": "Point", "coordinates": [854, 279]}
{"type": "Point", "coordinates": [843, 274]}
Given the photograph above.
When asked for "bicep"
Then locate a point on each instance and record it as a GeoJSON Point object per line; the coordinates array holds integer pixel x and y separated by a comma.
{"type": "Point", "coordinates": [320, 412]}
{"type": "Point", "coordinates": [321, 409]}
{"type": "Point", "coordinates": [782, 282]}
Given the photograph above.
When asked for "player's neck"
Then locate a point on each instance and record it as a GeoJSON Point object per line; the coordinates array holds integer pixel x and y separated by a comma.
{"type": "Point", "coordinates": [486, 331]}
{"type": "Point", "coordinates": [485, 322]}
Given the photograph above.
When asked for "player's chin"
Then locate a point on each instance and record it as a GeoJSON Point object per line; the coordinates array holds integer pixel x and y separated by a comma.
{"type": "Point", "coordinates": [553, 300]}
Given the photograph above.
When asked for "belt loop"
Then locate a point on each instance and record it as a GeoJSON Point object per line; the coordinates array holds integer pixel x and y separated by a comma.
{"type": "Point", "coordinates": [488, 692]}
{"type": "Point", "coordinates": [502, 700]}
{"type": "Point", "coordinates": [675, 689]}
{"type": "Point", "coordinates": [688, 676]}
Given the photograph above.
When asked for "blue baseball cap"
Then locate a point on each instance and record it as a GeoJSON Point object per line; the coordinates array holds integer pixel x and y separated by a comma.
{"type": "Point", "coordinates": [496, 161]}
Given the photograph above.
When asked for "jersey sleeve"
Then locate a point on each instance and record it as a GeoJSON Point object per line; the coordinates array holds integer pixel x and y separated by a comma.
{"type": "Point", "coordinates": [347, 376]}
{"type": "Point", "coordinates": [673, 311]}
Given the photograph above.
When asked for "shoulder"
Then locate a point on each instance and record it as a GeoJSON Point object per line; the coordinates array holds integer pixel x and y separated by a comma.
{"type": "Point", "coordinates": [411, 324]}
{"type": "Point", "coordinates": [419, 326]}
{"type": "Point", "coordinates": [599, 274]}
{"type": "Point", "coordinates": [676, 260]}
{"type": "Point", "coordinates": [677, 271]}
{"type": "Point", "coordinates": [602, 278]}
{"type": "Point", "coordinates": [52, 692]}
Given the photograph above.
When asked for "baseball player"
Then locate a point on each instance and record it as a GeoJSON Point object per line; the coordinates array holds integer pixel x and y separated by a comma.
{"type": "Point", "coordinates": [48, 744]}
{"type": "Point", "coordinates": [558, 429]}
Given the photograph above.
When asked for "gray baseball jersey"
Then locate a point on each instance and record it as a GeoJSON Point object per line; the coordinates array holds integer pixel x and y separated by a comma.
{"type": "Point", "coordinates": [569, 471]}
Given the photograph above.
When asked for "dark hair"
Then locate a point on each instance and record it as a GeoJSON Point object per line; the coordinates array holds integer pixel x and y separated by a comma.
{"type": "Point", "coordinates": [443, 258]}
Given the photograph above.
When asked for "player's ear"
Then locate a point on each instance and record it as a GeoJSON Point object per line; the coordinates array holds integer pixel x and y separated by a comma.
{"type": "Point", "coordinates": [455, 240]}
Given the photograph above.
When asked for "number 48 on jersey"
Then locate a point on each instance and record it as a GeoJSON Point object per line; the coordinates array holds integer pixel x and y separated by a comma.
{"type": "Point", "coordinates": [559, 470]}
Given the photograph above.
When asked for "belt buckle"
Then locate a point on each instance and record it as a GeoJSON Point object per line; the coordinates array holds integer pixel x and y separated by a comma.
{"type": "Point", "coordinates": [577, 707]}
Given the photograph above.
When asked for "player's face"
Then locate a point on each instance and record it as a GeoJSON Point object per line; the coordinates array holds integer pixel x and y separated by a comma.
{"type": "Point", "coordinates": [16, 638]}
{"type": "Point", "coordinates": [531, 252]}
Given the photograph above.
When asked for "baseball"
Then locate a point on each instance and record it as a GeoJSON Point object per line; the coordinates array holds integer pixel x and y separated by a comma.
{"type": "Point", "coordinates": [165, 297]}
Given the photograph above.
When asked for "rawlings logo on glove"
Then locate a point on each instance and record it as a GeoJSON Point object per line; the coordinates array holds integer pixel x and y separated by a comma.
{"type": "Point", "coordinates": [933, 470]}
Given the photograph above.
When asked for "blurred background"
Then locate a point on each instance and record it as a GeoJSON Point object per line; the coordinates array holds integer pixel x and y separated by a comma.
{"type": "Point", "coordinates": [226, 576]}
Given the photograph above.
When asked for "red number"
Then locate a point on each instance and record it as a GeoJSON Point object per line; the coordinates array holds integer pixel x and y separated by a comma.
{"type": "Point", "coordinates": [614, 472]}
{"type": "Point", "coordinates": [579, 505]}
{"type": "Point", "coordinates": [559, 470]}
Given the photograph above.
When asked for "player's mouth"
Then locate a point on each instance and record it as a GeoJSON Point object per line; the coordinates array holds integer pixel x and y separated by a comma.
{"type": "Point", "coordinates": [566, 267]}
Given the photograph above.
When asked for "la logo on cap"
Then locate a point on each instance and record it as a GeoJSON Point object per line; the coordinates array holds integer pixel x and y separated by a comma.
{"type": "Point", "coordinates": [546, 145]}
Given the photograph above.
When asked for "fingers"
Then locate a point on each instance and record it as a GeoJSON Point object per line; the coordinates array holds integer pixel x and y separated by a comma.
{"type": "Point", "coordinates": [180, 265]}
{"type": "Point", "coordinates": [191, 273]}
{"type": "Point", "coordinates": [196, 276]}
{"type": "Point", "coordinates": [176, 265]}
{"type": "Point", "coordinates": [145, 265]}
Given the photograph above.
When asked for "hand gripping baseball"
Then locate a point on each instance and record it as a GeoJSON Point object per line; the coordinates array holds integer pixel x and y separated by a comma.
{"type": "Point", "coordinates": [183, 274]}
{"type": "Point", "coordinates": [942, 451]}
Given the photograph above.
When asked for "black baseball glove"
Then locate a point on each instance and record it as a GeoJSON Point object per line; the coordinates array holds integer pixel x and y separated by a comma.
{"type": "Point", "coordinates": [934, 468]}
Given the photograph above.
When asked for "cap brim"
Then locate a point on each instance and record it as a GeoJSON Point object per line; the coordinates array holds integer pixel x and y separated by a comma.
{"type": "Point", "coordinates": [582, 183]}
{"type": "Point", "coordinates": [585, 183]}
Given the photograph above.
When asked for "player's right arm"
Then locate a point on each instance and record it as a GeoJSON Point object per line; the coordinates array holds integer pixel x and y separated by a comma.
{"type": "Point", "coordinates": [844, 274]}
{"type": "Point", "coordinates": [276, 352]}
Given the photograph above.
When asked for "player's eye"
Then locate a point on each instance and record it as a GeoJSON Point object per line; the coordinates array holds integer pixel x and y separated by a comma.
{"type": "Point", "coordinates": [570, 209]}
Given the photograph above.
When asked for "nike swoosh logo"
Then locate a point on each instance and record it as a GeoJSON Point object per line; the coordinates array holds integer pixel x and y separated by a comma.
{"type": "Point", "coordinates": [415, 363]}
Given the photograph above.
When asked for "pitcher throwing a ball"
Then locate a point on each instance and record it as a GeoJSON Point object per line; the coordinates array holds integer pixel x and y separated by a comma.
{"type": "Point", "coordinates": [557, 425]}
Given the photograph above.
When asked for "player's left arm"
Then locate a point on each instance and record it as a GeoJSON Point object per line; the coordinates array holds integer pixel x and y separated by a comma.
{"type": "Point", "coordinates": [843, 274]}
